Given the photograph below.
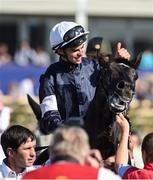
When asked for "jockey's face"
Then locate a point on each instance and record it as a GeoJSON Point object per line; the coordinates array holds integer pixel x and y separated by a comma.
{"type": "Point", "coordinates": [75, 54]}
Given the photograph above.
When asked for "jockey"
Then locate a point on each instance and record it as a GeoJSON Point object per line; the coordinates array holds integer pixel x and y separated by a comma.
{"type": "Point", "coordinates": [68, 86]}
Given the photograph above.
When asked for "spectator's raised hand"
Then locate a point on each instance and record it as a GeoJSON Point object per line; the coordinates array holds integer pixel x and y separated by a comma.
{"type": "Point", "coordinates": [122, 122]}
{"type": "Point", "coordinates": [122, 149]}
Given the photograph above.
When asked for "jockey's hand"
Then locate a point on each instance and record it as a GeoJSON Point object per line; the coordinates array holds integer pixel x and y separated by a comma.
{"type": "Point", "coordinates": [94, 158]}
{"type": "Point", "coordinates": [122, 52]}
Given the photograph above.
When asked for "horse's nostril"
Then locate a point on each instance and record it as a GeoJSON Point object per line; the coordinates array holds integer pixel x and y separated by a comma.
{"type": "Point", "coordinates": [121, 85]}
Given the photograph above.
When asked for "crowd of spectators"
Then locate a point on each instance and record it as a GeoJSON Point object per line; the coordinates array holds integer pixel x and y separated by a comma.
{"type": "Point", "coordinates": [70, 155]}
{"type": "Point", "coordinates": [24, 55]}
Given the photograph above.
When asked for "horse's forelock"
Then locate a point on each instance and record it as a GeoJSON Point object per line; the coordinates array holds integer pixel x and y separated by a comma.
{"type": "Point", "coordinates": [125, 62]}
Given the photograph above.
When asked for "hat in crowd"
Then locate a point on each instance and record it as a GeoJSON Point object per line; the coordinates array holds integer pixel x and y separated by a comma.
{"type": "Point", "coordinates": [98, 45]}
{"type": "Point", "coordinates": [67, 34]}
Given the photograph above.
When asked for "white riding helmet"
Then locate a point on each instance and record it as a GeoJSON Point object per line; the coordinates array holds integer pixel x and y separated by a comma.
{"type": "Point", "coordinates": [67, 34]}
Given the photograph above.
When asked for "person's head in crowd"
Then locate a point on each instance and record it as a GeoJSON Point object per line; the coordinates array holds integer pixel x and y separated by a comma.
{"type": "Point", "coordinates": [147, 148]}
{"type": "Point", "coordinates": [71, 141]}
{"type": "Point", "coordinates": [25, 44]}
{"type": "Point", "coordinates": [99, 47]}
{"type": "Point", "coordinates": [18, 144]}
{"type": "Point", "coordinates": [5, 56]}
{"type": "Point", "coordinates": [67, 39]}
{"type": "Point", "coordinates": [135, 138]}
{"type": "Point", "coordinates": [135, 148]}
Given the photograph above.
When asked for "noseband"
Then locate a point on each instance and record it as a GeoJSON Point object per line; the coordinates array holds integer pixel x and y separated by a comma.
{"type": "Point", "coordinates": [115, 96]}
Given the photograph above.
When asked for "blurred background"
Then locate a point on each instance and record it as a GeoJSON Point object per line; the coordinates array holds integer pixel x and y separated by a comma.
{"type": "Point", "coordinates": [25, 51]}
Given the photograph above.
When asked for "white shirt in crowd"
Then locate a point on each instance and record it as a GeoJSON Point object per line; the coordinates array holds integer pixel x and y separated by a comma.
{"type": "Point", "coordinates": [7, 173]}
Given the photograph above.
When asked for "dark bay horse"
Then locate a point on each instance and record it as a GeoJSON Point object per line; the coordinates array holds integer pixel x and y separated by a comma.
{"type": "Point", "coordinates": [113, 95]}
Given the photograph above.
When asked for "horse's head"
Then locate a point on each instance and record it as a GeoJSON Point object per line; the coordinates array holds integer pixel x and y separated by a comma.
{"type": "Point", "coordinates": [118, 80]}
{"type": "Point", "coordinates": [115, 90]}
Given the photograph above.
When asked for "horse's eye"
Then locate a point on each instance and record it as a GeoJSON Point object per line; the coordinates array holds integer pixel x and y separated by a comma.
{"type": "Point", "coordinates": [121, 85]}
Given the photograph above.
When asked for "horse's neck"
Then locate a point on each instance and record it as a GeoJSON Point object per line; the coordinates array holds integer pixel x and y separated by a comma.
{"type": "Point", "coordinates": [114, 133]}
{"type": "Point", "coordinates": [98, 115]}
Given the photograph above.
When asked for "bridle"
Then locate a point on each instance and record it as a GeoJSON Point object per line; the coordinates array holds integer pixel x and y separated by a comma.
{"type": "Point", "coordinates": [103, 74]}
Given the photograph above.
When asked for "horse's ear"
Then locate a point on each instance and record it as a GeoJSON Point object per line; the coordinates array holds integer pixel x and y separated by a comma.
{"type": "Point", "coordinates": [35, 107]}
{"type": "Point", "coordinates": [136, 61]}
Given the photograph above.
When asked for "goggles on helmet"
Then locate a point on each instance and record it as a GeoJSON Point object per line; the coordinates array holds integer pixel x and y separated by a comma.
{"type": "Point", "coordinates": [72, 33]}
{"type": "Point", "coordinates": [78, 41]}
{"type": "Point", "coordinates": [73, 37]}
